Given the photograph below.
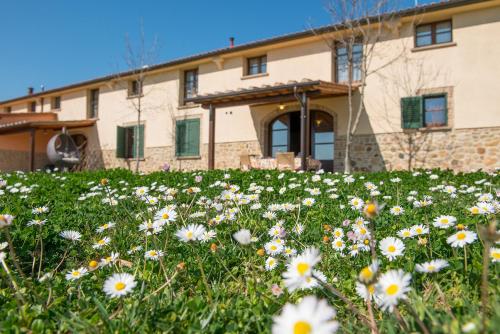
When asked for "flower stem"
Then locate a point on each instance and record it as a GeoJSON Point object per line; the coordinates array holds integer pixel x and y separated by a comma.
{"type": "Point", "coordinates": [200, 265]}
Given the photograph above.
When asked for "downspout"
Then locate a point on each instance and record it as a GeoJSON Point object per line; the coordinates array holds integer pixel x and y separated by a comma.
{"type": "Point", "coordinates": [303, 118]}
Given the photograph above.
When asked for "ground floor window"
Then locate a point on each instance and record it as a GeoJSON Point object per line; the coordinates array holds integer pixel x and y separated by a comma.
{"type": "Point", "coordinates": [126, 141]}
{"type": "Point", "coordinates": [427, 111]}
{"type": "Point", "coordinates": [187, 137]}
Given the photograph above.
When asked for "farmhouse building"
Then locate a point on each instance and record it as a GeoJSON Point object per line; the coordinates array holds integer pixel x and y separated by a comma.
{"type": "Point", "coordinates": [431, 99]}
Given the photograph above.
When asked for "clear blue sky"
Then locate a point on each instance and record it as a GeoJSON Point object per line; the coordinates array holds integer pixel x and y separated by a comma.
{"type": "Point", "coordinates": [58, 42]}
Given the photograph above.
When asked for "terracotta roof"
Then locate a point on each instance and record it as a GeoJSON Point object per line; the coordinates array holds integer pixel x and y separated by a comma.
{"type": "Point", "coordinates": [24, 125]}
{"type": "Point", "coordinates": [436, 6]}
{"type": "Point", "coordinates": [271, 93]}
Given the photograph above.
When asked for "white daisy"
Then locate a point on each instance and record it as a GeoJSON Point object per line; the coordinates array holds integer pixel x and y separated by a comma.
{"type": "Point", "coordinates": [432, 266]}
{"type": "Point", "coordinates": [271, 263]}
{"type": "Point", "coordinates": [495, 254]}
{"type": "Point", "coordinates": [153, 254]}
{"type": "Point", "coordinates": [461, 238]}
{"type": "Point", "coordinates": [444, 221]}
{"type": "Point", "coordinates": [273, 247]}
{"type": "Point", "coordinates": [397, 210]}
{"type": "Point", "coordinates": [391, 287]}
{"type": "Point", "coordinates": [419, 229]}
{"type": "Point", "coordinates": [73, 275]}
{"type": "Point", "coordinates": [391, 247]}
{"type": "Point", "coordinates": [71, 235]}
{"type": "Point", "coordinates": [119, 284]}
{"type": "Point", "coordinates": [299, 269]}
{"type": "Point", "coordinates": [101, 243]}
{"type": "Point", "coordinates": [192, 232]}
{"type": "Point", "coordinates": [310, 316]}
{"type": "Point", "coordinates": [405, 233]}
{"type": "Point", "coordinates": [338, 244]}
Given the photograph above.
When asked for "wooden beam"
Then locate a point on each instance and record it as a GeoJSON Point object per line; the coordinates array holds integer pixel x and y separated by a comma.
{"type": "Point", "coordinates": [211, 138]}
{"type": "Point", "coordinates": [32, 149]}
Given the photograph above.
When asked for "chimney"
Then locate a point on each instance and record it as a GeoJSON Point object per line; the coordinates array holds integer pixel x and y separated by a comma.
{"type": "Point", "coordinates": [30, 90]}
{"type": "Point", "coordinates": [231, 42]}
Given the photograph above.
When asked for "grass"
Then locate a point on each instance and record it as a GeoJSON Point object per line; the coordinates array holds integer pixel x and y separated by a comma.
{"type": "Point", "coordinates": [220, 286]}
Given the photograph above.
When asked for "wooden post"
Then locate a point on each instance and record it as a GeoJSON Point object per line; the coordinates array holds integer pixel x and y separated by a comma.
{"type": "Point", "coordinates": [303, 130]}
{"type": "Point", "coordinates": [32, 149]}
{"type": "Point", "coordinates": [211, 138]}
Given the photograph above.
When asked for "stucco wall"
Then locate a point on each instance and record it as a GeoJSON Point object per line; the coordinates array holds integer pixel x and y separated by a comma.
{"type": "Point", "coordinates": [471, 68]}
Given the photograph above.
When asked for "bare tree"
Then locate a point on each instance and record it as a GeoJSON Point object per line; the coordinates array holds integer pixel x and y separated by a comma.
{"type": "Point", "coordinates": [358, 27]}
{"type": "Point", "coordinates": [138, 59]}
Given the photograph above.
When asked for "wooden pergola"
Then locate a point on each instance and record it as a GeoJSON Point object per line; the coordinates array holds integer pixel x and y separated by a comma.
{"type": "Point", "coordinates": [268, 94]}
{"type": "Point", "coordinates": [32, 126]}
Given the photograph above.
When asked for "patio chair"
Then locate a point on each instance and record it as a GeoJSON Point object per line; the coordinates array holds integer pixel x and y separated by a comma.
{"type": "Point", "coordinates": [245, 162]}
{"type": "Point", "coordinates": [285, 161]}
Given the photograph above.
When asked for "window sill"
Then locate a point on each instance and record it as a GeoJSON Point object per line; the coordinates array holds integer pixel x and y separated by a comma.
{"type": "Point", "coordinates": [55, 110]}
{"type": "Point", "coordinates": [133, 159]}
{"type": "Point", "coordinates": [253, 76]}
{"type": "Point", "coordinates": [433, 46]}
{"type": "Point", "coordinates": [432, 129]}
{"type": "Point", "coordinates": [189, 105]}
{"type": "Point", "coordinates": [134, 96]}
{"type": "Point", "coordinates": [193, 157]}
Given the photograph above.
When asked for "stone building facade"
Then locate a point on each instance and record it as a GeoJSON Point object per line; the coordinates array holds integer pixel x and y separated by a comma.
{"type": "Point", "coordinates": [209, 109]}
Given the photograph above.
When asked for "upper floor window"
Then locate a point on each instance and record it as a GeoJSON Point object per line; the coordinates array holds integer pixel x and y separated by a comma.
{"type": "Point", "coordinates": [344, 67]}
{"type": "Point", "coordinates": [56, 103]}
{"type": "Point", "coordinates": [8, 109]}
{"type": "Point", "coordinates": [256, 65]}
{"type": "Point", "coordinates": [433, 33]}
{"type": "Point", "coordinates": [190, 83]}
{"type": "Point", "coordinates": [32, 106]}
{"type": "Point", "coordinates": [93, 103]}
{"type": "Point", "coordinates": [135, 88]}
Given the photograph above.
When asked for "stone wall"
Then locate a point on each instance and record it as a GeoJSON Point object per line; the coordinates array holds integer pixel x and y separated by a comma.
{"type": "Point", "coordinates": [460, 150]}
{"type": "Point", "coordinates": [227, 155]}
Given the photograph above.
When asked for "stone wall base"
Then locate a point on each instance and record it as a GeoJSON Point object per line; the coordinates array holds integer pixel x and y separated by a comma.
{"type": "Point", "coordinates": [460, 150]}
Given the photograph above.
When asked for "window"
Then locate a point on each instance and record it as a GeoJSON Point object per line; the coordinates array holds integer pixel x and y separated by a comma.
{"type": "Point", "coordinates": [32, 106]}
{"type": "Point", "coordinates": [435, 110]}
{"type": "Point", "coordinates": [93, 103]}
{"type": "Point", "coordinates": [433, 33]}
{"type": "Point", "coordinates": [8, 109]}
{"type": "Point", "coordinates": [187, 137]}
{"type": "Point", "coordinates": [126, 144]}
{"type": "Point", "coordinates": [56, 103]}
{"type": "Point", "coordinates": [279, 135]}
{"type": "Point", "coordinates": [257, 65]}
{"type": "Point", "coordinates": [426, 111]}
{"type": "Point", "coordinates": [135, 88]}
{"type": "Point", "coordinates": [344, 67]}
{"type": "Point", "coordinates": [190, 83]}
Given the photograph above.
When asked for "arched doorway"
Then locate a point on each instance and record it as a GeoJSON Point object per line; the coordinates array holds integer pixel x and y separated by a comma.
{"type": "Point", "coordinates": [284, 136]}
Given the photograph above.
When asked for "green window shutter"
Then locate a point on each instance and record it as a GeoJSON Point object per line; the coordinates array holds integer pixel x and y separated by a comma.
{"type": "Point", "coordinates": [187, 137]}
{"type": "Point", "coordinates": [180, 138]}
{"type": "Point", "coordinates": [412, 112]}
{"type": "Point", "coordinates": [138, 135]}
{"type": "Point", "coordinates": [193, 137]}
{"type": "Point", "coordinates": [120, 142]}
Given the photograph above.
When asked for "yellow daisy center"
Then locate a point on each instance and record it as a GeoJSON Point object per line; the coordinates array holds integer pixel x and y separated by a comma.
{"type": "Point", "coordinates": [461, 236]}
{"type": "Point", "coordinates": [391, 248]}
{"type": "Point", "coordinates": [152, 253]}
{"type": "Point", "coordinates": [165, 216]}
{"type": "Point", "coordinates": [431, 267]}
{"type": "Point", "coordinates": [273, 247]}
{"type": "Point", "coordinates": [371, 289]}
{"type": "Point", "coordinates": [366, 242]}
{"type": "Point", "coordinates": [189, 234]}
{"type": "Point", "coordinates": [120, 286]}
{"type": "Point", "coordinates": [339, 243]}
{"type": "Point", "coordinates": [418, 229]}
{"type": "Point", "coordinates": [101, 242]}
{"type": "Point", "coordinates": [475, 210]}
{"type": "Point", "coordinates": [366, 273]}
{"type": "Point", "coordinates": [444, 221]}
{"type": "Point", "coordinates": [75, 273]}
{"type": "Point", "coordinates": [302, 327]}
{"type": "Point", "coordinates": [392, 289]}
{"type": "Point", "coordinates": [406, 233]}
{"type": "Point", "coordinates": [105, 226]}
{"type": "Point", "coordinates": [302, 268]}
{"type": "Point", "coordinates": [495, 255]}
{"type": "Point", "coordinates": [93, 264]}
